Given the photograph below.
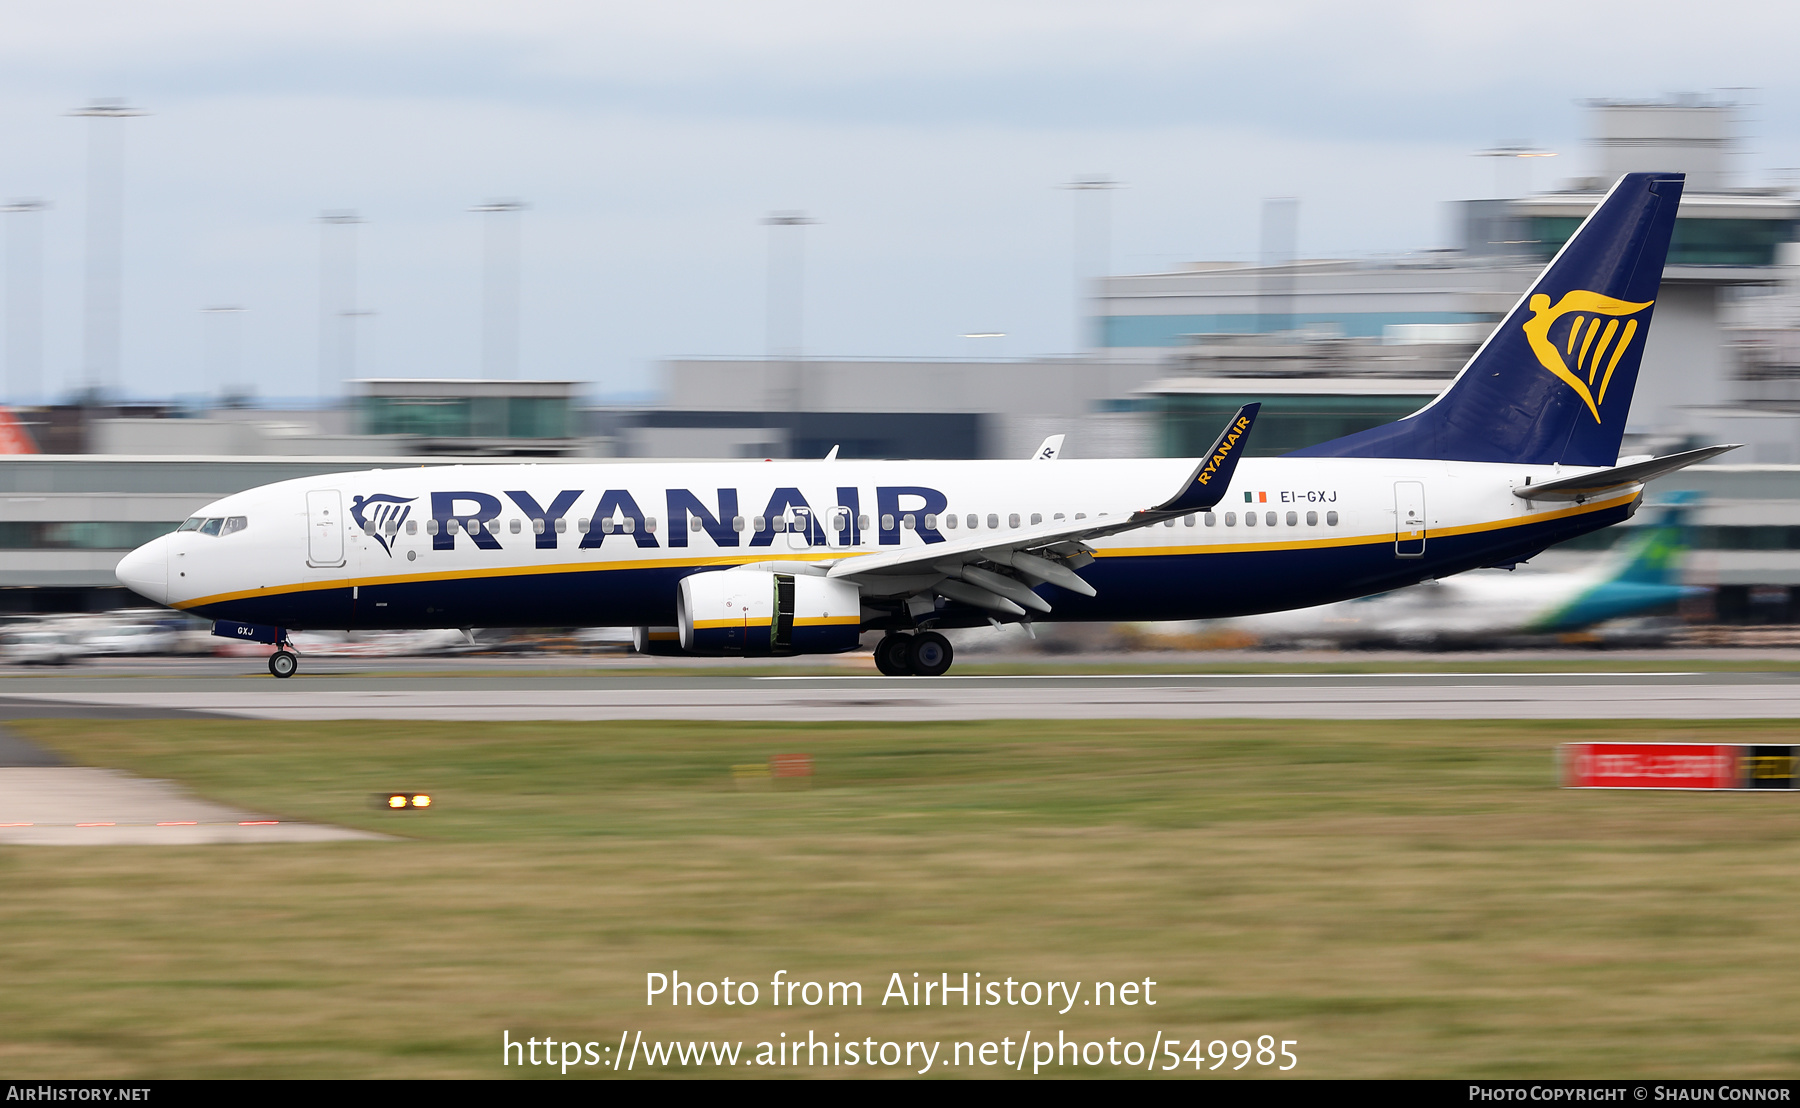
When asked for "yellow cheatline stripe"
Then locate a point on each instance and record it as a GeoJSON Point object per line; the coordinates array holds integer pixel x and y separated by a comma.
{"type": "Point", "coordinates": [517, 571]}
{"type": "Point", "coordinates": [827, 621]}
{"type": "Point", "coordinates": [836, 553]}
{"type": "Point", "coordinates": [714, 624]}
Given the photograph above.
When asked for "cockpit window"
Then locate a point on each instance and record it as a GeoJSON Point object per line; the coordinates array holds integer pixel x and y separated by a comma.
{"type": "Point", "coordinates": [234, 524]}
{"type": "Point", "coordinates": [211, 526]}
{"type": "Point", "coordinates": [192, 524]}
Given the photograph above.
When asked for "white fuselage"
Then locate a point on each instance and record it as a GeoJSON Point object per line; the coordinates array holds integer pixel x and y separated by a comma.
{"type": "Point", "coordinates": [316, 553]}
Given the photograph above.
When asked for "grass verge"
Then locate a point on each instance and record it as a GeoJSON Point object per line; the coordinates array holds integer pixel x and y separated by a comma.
{"type": "Point", "coordinates": [1404, 899]}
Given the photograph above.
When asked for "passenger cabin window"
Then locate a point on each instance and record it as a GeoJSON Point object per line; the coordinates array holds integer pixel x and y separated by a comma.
{"type": "Point", "coordinates": [537, 526]}
{"type": "Point", "coordinates": [950, 521]}
{"type": "Point", "coordinates": [930, 522]}
{"type": "Point", "coordinates": [192, 524]}
{"type": "Point", "coordinates": [412, 526]}
{"type": "Point", "coordinates": [993, 521]}
{"type": "Point", "coordinates": [974, 521]}
{"type": "Point", "coordinates": [1293, 519]}
{"type": "Point", "coordinates": [1012, 520]}
{"type": "Point", "coordinates": [514, 527]}
{"type": "Point", "coordinates": [862, 523]}
{"type": "Point", "coordinates": [1331, 519]}
{"type": "Point", "coordinates": [909, 521]}
{"type": "Point", "coordinates": [887, 523]}
{"type": "Point", "coordinates": [1312, 519]}
{"type": "Point", "coordinates": [1269, 519]}
{"type": "Point", "coordinates": [1037, 518]}
{"type": "Point", "coordinates": [1231, 519]}
{"type": "Point", "coordinates": [431, 527]}
{"type": "Point", "coordinates": [234, 524]}
{"type": "Point", "coordinates": [737, 523]}
{"type": "Point", "coordinates": [1212, 520]}
{"type": "Point", "coordinates": [211, 526]}
{"type": "Point", "coordinates": [562, 525]}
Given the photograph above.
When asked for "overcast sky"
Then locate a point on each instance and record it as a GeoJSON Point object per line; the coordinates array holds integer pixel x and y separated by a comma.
{"type": "Point", "coordinates": [928, 139]}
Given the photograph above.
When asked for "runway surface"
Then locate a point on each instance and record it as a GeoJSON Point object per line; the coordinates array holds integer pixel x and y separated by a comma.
{"type": "Point", "coordinates": [478, 689]}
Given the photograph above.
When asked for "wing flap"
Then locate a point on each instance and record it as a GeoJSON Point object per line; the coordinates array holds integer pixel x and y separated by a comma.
{"type": "Point", "coordinates": [999, 575]}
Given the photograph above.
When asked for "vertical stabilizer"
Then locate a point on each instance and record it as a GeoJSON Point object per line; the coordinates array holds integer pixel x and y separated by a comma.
{"type": "Point", "coordinates": [1553, 383]}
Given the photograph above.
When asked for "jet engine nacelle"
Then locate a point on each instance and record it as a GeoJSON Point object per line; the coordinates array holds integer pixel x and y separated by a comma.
{"type": "Point", "coordinates": [746, 611]}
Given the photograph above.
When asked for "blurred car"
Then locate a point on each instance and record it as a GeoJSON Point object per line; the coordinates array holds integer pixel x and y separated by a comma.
{"type": "Point", "coordinates": [38, 647]}
{"type": "Point", "coordinates": [130, 638]}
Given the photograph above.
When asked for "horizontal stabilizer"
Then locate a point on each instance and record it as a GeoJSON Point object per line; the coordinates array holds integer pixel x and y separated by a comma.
{"type": "Point", "coordinates": [1593, 484]}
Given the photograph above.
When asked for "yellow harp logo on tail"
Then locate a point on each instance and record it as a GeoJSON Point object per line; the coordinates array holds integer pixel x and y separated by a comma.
{"type": "Point", "coordinates": [1593, 335]}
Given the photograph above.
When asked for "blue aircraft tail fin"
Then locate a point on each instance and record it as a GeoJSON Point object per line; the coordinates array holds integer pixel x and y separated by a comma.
{"type": "Point", "coordinates": [1653, 555]}
{"type": "Point", "coordinates": [1553, 383]}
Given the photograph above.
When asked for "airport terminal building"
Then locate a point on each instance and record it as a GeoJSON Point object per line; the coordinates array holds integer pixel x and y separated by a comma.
{"type": "Point", "coordinates": [1328, 347]}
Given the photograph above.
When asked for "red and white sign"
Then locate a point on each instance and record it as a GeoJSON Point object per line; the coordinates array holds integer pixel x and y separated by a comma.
{"type": "Point", "coordinates": [1650, 766]}
{"type": "Point", "coordinates": [14, 439]}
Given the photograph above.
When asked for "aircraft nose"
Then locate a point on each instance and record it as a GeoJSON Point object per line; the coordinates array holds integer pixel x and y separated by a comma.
{"type": "Point", "coordinates": [145, 571]}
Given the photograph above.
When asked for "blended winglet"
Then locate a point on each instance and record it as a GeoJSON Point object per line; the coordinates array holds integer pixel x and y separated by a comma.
{"type": "Point", "coordinates": [1207, 484]}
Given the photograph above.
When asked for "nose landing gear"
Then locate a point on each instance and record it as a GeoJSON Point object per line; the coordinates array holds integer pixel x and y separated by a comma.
{"type": "Point", "coordinates": [925, 655]}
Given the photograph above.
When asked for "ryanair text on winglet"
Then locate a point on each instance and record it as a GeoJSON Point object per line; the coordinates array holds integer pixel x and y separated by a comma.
{"type": "Point", "coordinates": [1231, 440]}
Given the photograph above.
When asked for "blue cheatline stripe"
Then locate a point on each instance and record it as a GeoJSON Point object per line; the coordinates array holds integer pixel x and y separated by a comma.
{"type": "Point", "coordinates": [1174, 330]}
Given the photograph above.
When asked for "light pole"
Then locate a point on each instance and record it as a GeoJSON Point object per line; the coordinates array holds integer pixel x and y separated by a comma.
{"type": "Point", "coordinates": [500, 288]}
{"type": "Point", "coordinates": [1280, 235]}
{"type": "Point", "coordinates": [1512, 173]}
{"type": "Point", "coordinates": [1091, 251]}
{"type": "Point", "coordinates": [223, 341]}
{"type": "Point", "coordinates": [25, 300]}
{"type": "Point", "coordinates": [337, 299]}
{"type": "Point", "coordinates": [105, 243]}
{"type": "Point", "coordinates": [785, 336]}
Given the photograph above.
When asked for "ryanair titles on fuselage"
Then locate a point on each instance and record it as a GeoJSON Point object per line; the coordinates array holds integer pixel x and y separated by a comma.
{"type": "Point", "coordinates": [617, 514]}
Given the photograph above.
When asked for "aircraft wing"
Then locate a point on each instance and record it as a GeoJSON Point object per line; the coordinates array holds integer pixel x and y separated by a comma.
{"type": "Point", "coordinates": [1604, 480]}
{"type": "Point", "coordinates": [997, 572]}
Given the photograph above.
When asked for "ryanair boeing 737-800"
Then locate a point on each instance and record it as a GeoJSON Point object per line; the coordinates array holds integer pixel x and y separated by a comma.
{"type": "Point", "coordinates": [799, 557]}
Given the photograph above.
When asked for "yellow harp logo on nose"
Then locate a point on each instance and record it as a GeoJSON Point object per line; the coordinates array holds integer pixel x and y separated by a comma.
{"type": "Point", "coordinates": [1591, 310]}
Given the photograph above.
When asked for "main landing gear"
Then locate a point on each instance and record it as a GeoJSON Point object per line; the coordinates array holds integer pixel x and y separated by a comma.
{"type": "Point", "coordinates": [284, 662]}
{"type": "Point", "coordinates": [924, 655]}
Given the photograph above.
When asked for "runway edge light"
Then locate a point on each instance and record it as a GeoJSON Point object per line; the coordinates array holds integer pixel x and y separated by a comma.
{"type": "Point", "coordinates": [402, 800]}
